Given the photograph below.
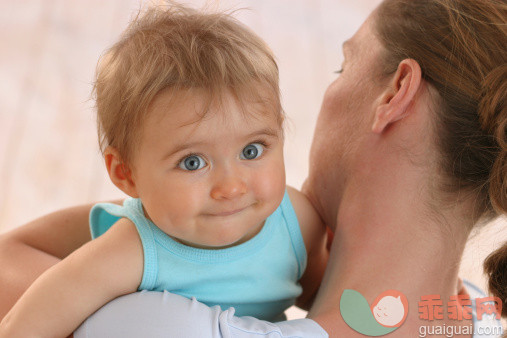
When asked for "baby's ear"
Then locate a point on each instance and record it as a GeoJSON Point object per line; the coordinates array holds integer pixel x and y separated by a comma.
{"type": "Point", "coordinates": [118, 171]}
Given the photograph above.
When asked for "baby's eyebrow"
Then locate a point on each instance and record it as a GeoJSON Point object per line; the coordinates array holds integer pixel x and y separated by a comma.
{"type": "Point", "coordinates": [264, 132]}
{"type": "Point", "coordinates": [181, 147]}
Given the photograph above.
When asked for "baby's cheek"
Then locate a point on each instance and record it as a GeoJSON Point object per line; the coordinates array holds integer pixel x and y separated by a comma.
{"type": "Point", "coordinates": [171, 204]}
{"type": "Point", "coordinates": [270, 190]}
{"type": "Point", "coordinates": [182, 206]}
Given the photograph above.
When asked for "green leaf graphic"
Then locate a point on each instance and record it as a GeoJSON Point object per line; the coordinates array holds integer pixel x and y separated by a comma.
{"type": "Point", "coordinates": [356, 313]}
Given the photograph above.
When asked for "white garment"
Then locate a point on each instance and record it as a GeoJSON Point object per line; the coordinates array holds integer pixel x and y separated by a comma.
{"type": "Point", "coordinates": [157, 314]}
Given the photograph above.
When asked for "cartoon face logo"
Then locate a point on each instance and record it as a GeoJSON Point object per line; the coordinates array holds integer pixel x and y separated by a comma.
{"type": "Point", "coordinates": [388, 311]}
{"type": "Point", "coordinates": [390, 308]}
{"type": "Point", "coordinates": [385, 315]}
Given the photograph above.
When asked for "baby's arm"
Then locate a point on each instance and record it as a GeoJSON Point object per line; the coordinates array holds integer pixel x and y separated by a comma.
{"type": "Point", "coordinates": [314, 236]}
{"type": "Point", "coordinates": [65, 295]}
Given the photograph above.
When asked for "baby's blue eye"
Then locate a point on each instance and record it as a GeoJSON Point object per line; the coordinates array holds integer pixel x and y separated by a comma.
{"type": "Point", "coordinates": [252, 151]}
{"type": "Point", "coordinates": [193, 162]}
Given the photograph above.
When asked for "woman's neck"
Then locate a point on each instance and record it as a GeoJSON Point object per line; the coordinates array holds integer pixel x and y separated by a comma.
{"type": "Point", "coordinates": [387, 237]}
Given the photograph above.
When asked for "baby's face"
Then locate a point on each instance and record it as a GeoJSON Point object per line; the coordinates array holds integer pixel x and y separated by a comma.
{"type": "Point", "coordinates": [209, 182]}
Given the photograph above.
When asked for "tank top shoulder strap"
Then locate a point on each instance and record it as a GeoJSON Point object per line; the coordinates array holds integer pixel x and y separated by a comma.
{"type": "Point", "coordinates": [296, 237]}
{"type": "Point", "coordinates": [104, 215]}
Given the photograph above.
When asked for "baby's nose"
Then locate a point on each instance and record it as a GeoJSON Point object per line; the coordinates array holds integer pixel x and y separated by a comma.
{"type": "Point", "coordinates": [229, 187]}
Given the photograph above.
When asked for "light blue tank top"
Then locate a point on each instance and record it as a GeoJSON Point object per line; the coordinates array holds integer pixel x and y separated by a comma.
{"type": "Point", "coordinates": [258, 278]}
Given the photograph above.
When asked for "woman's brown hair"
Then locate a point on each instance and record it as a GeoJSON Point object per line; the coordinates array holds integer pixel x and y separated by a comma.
{"type": "Point", "coordinates": [495, 267]}
{"type": "Point", "coordinates": [461, 48]}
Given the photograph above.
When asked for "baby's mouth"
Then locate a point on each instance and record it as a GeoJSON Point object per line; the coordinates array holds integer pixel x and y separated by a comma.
{"type": "Point", "coordinates": [226, 213]}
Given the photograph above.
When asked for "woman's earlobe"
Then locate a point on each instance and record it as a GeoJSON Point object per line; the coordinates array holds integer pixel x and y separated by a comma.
{"type": "Point", "coordinates": [119, 173]}
{"type": "Point", "coordinates": [381, 119]}
{"type": "Point", "coordinates": [396, 101]}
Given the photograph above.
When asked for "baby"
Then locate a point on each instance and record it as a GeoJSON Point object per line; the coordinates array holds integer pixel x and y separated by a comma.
{"type": "Point", "coordinates": [190, 125]}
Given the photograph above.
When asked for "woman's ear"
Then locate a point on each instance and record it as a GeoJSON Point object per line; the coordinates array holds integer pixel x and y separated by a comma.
{"type": "Point", "coordinates": [398, 97]}
{"type": "Point", "coordinates": [119, 173]}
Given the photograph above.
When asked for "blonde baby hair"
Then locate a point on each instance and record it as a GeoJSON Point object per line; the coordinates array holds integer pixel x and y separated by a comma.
{"type": "Point", "coordinates": [174, 46]}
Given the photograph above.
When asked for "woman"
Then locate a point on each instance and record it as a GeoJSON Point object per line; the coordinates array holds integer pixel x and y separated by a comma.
{"type": "Point", "coordinates": [428, 160]}
{"type": "Point", "coordinates": [409, 154]}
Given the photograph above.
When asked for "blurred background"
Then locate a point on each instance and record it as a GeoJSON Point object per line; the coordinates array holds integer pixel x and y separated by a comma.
{"type": "Point", "coordinates": [49, 157]}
